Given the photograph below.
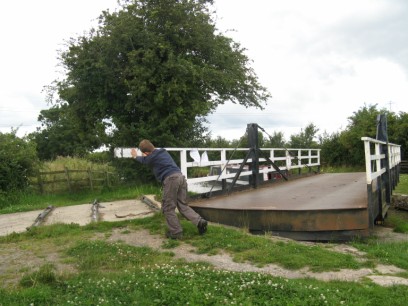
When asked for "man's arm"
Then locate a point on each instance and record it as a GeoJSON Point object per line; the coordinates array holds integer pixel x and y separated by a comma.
{"type": "Point", "coordinates": [133, 152]}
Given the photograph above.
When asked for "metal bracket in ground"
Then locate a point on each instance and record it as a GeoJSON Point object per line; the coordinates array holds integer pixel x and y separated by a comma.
{"type": "Point", "coordinates": [41, 217]}
{"type": "Point", "coordinates": [150, 203]}
{"type": "Point", "coordinates": [95, 210]}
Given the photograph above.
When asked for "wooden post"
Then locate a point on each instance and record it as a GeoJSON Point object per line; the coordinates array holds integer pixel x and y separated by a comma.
{"type": "Point", "coordinates": [40, 182]}
{"type": "Point", "coordinates": [107, 182]}
{"type": "Point", "coordinates": [68, 178]}
{"type": "Point", "coordinates": [90, 179]}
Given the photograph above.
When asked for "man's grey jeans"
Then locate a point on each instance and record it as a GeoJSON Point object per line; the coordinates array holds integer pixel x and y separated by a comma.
{"type": "Point", "coordinates": [175, 196]}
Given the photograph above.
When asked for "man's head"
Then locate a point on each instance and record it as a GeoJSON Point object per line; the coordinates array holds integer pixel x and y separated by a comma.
{"type": "Point", "coordinates": [146, 146]}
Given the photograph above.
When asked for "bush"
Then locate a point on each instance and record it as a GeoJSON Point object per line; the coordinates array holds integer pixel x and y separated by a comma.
{"type": "Point", "coordinates": [131, 171]}
{"type": "Point", "coordinates": [100, 157]}
{"type": "Point", "coordinates": [18, 161]}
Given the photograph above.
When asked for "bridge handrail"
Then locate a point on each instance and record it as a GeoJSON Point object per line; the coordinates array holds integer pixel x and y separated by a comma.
{"type": "Point", "coordinates": [311, 156]}
{"type": "Point", "coordinates": [373, 157]}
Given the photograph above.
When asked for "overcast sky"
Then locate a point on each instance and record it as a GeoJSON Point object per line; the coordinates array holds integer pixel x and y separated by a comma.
{"type": "Point", "coordinates": [320, 60]}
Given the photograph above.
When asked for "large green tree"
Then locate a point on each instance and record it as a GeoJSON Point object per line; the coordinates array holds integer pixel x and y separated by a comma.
{"type": "Point", "coordinates": [398, 131]}
{"type": "Point", "coordinates": [155, 69]}
{"type": "Point", "coordinates": [346, 147]}
{"type": "Point", "coordinates": [333, 152]}
{"type": "Point", "coordinates": [363, 123]}
{"type": "Point", "coordinates": [276, 140]}
{"type": "Point", "coordinates": [62, 134]}
{"type": "Point", "coordinates": [306, 137]}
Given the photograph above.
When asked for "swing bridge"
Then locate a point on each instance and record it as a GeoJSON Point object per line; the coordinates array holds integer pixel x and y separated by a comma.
{"type": "Point", "coordinates": [282, 191]}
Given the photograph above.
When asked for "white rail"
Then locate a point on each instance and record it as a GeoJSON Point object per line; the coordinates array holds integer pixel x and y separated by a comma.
{"type": "Point", "coordinates": [373, 157]}
{"type": "Point", "coordinates": [198, 157]}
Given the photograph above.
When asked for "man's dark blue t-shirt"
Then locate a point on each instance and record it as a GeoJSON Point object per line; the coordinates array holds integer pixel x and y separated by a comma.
{"type": "Point", "coordinates": [161, 162]}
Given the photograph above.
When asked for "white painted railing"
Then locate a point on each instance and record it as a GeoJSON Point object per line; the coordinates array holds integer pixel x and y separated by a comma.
{"type": "Point", "coordinates": [373, 157]}
{"type": "Point", "coordinates": [198, 157]}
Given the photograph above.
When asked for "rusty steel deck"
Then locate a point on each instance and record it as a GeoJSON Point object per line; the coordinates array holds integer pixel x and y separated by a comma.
{"type": "Point", "coordinates": [319, 207]}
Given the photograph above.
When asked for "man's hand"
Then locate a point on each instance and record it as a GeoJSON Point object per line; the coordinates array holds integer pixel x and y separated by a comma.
{"type": "Point", "coordinates": [133, 152]}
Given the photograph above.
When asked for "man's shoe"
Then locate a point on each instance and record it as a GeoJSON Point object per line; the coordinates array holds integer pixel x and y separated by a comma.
{"type": "Point", "coordinates": [174, 236]}
{"type": "Point", "coordinates": [202, 226]}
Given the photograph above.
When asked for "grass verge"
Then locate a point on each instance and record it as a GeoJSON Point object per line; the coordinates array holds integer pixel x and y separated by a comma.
{"type": "Point", "coordinates": [115, 273]}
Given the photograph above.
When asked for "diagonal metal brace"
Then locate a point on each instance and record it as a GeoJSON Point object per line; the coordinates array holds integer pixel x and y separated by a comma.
{"type": "Point", "coordinates": [239, 170]}
{"type": "Point", "coordinates": [273, 165]}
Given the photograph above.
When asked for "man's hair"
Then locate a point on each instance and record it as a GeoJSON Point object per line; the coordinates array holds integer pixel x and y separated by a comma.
{"type": "Point", "coordinates": [146, 146]}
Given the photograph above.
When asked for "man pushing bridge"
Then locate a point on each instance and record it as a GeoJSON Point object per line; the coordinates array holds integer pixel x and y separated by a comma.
{"type": "Point", "coordinates": [174, 184]}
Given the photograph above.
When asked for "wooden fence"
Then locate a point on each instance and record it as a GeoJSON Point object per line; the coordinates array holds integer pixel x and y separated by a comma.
{"type": "Point", "coordinates": [286, 159]}
{"type": "Point", "coordinates": [73, 180]}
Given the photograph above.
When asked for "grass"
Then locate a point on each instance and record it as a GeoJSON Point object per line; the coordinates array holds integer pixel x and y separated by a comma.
{"type": "Point", "coordinates": [397, 220]}
{"type": "Point", "coordinates": [389, 253]}
{"type": "Point", "coordinates": [195, 284]}
{"type": "Point", "coordinates": [120, 274]}
{"type": "Point", "coordinates": [261, 251]}
{"type": "Point", "coordinates": [343, 169]}
{"type": "Point", "coordinates": [402, 187]}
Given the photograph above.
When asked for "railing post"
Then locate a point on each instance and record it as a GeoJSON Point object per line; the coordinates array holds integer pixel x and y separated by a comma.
{"type": "Point", "coordinates": [367, 154]}
{"type": "Point", "coordinates": [183, 162]}
{"type": "Point", "coordinates": [299, 158]}
{"type": "Point", "coordinates": [288, 160]}
{"type": "Point", "coordinates": [379, 186]}
{"type": "Point", "coordinates": [252, 129]}
{"type": "Point", "coordinates": [223, 169]}
{"type": "Point", "coordinates": [382, 135]}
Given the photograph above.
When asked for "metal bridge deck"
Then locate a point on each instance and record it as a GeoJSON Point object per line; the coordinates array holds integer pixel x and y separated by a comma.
{"type": "Point", "coordinates": [318, 207]}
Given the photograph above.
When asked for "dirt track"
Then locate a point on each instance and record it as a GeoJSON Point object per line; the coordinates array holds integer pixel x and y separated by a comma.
{"type": "Point", "coordinates": [79, 214]}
